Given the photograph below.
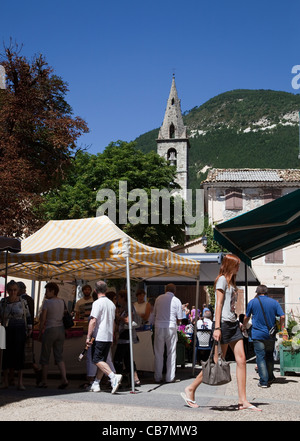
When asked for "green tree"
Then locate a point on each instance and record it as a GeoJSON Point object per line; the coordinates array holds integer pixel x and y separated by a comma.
{"type": "Point", "coordinates": [120, 161]}
{"type": "Point", "coordinates": [211, 247]}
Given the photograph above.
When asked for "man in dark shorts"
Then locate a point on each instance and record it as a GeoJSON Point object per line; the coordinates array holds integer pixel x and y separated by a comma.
{"type": "Point", "coordinates": [101, 325]}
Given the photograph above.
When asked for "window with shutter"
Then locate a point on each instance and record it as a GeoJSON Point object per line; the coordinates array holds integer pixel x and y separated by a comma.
{"type": "Point", "coordinates": [275, 257]}
{"type": "Point", "coordinates": [271, 194]}
{"type": "Point", "coordinates": [233, 199]}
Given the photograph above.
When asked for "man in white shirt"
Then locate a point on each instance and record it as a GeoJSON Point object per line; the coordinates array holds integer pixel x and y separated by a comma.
{"type": "Point", "coordinates": [167, 315]}
{"type": "Point", "coordinates": [101, 325]}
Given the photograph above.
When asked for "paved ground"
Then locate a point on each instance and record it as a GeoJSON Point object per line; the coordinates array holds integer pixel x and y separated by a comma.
{"type": "Point", "coordinates": [153, 403]}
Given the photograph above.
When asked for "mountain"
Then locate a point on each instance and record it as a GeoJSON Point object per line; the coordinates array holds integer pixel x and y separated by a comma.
{"type": "Point", "coordinates": [240, 129]}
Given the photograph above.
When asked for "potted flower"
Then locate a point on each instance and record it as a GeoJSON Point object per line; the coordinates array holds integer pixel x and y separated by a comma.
{"type": "Point", "coordinates": [183, 343]}
{"type": "Point", "coordinates": [290, 349]}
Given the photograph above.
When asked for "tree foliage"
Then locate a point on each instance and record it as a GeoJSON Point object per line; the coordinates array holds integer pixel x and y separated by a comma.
{"type": "Point", "coordinates": [76, 197]}
{"type": "Point", "coordinates": [37, 135]}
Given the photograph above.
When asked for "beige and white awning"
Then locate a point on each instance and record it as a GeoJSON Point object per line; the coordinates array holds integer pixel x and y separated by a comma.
{"type": "Point", "coordinates": [91, 248]}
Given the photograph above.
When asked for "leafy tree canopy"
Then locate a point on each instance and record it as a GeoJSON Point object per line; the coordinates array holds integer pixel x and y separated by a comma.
{"type": "Point", "coordinates": [120, 162]}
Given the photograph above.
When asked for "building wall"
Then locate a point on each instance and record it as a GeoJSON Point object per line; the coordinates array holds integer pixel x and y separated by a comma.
{"type": "Point", "coordinates": [285, 276]}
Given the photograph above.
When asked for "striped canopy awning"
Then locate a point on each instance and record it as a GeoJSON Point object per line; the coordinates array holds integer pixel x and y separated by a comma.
{"type": "Point", "coordinates": [89, 249]}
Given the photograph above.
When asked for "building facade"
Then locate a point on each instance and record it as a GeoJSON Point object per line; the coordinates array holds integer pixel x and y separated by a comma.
{"type": "Point", "coordinates": [231, 192]}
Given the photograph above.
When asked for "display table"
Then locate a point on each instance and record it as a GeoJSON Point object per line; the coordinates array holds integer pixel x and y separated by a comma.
{"type": "Point", "coordinates": [143, 353]}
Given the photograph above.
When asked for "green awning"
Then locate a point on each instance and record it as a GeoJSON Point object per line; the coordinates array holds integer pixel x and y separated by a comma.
{"type": "Point", "coordinates": [265, 229]}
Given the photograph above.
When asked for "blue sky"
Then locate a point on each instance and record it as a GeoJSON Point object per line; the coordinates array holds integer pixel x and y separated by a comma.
{"type": "Point", "coordinates": [118, 56]}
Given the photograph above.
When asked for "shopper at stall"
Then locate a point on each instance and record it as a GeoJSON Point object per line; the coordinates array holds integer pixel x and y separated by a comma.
{"type": "Point", "coordinates": [185, 311]}
{"type": "Point", "coordinates": [16, 318]}
{"type": "Point", "coordinates": [83, 306]}
{"type": "Point", "coordinates": [263, 308]}
{"type": "Point", "coordinates": [167, 316]}
{"type": "Point", "coordinates": [193, 317]}
{"type": "Point", "coordinates": [122, 354]}
{"type": "Point", "coordinates": [142, 307]}
{"type": "Point", "coordinates": [52, 334]}
{"type": "Point", "coordinates": [227, 331]}
{"type": "Point", "coordinates": [101, 325]}
{"type": "Point", "coordinates": [29, 347]}
{"type": "Point", "coordinates": [205, 322]}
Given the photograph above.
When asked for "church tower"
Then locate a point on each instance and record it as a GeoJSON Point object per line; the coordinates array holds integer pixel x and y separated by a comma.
{"type": "Point", "coordinates": [172, 142]}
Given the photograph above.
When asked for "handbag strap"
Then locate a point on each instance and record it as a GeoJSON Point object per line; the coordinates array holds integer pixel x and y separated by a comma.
{"type": "Point", "coordinates": [212, 352]}
{"type": "Point", "coordinates": [264, 313]}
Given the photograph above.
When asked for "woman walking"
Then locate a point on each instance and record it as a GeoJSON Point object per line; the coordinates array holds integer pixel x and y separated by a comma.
{"type": "Point", "coordinates": [227, 331]}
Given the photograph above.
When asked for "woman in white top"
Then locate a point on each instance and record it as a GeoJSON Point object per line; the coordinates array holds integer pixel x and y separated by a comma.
{"type": "Point", "coordinates": [227, 331]}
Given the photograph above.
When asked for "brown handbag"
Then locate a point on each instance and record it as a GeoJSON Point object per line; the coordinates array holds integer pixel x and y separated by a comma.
{"type": "Point", "coordinates": [216, 374]}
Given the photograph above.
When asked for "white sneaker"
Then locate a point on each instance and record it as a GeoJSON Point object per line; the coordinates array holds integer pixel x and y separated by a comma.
{"type": "Point", "coordinates": [115, 383]}
{"type": "Point", "coordinates": [95, 387]}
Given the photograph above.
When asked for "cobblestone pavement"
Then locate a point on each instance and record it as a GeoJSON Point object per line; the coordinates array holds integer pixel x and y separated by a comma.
{"type": "Point", "coordinates": [153, 402]}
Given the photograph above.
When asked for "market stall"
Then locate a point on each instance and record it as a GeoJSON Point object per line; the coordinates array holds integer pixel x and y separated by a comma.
{"type": "Point", "coordinates": [90, 249]}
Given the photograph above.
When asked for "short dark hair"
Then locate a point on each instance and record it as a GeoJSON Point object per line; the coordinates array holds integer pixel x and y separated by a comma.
{"type": "Point", "coordinates": [123, 294]}
{"type": "Point", "coordinates": [171, 288]}
{"type": "Point", "coordinates": [262, 289]}
{"type": "Point", "coordinates": [52, 287]}
{"type": "Point", "coordinates": [140, 291]}
{"type": "Point", "coordinates": [12, 283]}
{"type": "Point", "coordinates": [21, 285]}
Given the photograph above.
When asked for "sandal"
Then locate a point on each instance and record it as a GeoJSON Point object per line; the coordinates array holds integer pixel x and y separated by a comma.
{"type": "Point", "coordinates": [251, 407]}
{"type": "Point", "coordinates": [188, 402]}
{"type": "Point", "coordinates": [42, 385]}
{"type": "Point", "coordinates": [63, 385]}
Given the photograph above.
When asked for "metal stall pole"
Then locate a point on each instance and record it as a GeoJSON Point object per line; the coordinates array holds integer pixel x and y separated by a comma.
{"type": "Point", "coordinates": [126, 243]}
{"type": "Point", "coordinates": [195, 326]}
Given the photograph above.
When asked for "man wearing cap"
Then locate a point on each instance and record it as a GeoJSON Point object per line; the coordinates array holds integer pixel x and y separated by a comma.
{"type": "Point", "coordinates": [263, 308]}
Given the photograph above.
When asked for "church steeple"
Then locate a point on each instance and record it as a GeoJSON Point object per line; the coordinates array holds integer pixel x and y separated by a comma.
{"type": "Point", "coordinates": [173, 126]}
{"type": "Point", "coordinates": [172, 142]}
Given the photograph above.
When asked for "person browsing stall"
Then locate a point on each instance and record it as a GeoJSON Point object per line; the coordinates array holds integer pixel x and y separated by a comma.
{"type": "Point", "coordinates": [52, 333]}
{"type": "Point", "coordinates": [167, 315]}
{"type": "Point", "coordinates": [263, 343]}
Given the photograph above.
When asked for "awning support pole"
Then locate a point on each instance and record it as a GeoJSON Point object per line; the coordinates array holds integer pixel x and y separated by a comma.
{"type": "Point", "coordinates": [126, 243]}
{"type": "Point", "coordinates": [246, 287]}
{"type": "Point", "coordinates": [195, 325]}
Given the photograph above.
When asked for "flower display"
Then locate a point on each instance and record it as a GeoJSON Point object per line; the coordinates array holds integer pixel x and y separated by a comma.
{"type": "Point", "coordinates": [182, 338]}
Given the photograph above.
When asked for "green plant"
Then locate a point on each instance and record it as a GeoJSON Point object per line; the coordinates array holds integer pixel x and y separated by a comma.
{"type": "Point", "coordinates": [290, 324]}
{"type": "Point", "coordinates": [182, 338]}
{"type": "Point", "coordinates": [293, 329]}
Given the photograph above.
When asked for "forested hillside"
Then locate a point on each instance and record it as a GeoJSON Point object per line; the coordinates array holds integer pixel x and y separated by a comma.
{"type": "Point", "coordinates": [240, 129]}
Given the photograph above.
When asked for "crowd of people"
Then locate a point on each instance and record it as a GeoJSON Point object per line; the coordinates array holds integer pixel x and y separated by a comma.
{"type": "Point", "coordinates": [107, 340]}
{"type": "Point", "coordinates": [107, 315]}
